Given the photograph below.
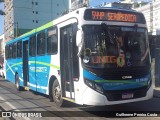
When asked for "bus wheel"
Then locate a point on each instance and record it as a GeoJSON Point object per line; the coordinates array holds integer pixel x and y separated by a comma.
{"type": "Point", "coordinates": [18, 87]}
{"type": "Point", "coordinates": [57, 94]}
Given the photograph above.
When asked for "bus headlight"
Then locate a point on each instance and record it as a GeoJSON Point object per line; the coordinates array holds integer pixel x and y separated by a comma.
{"type": "Point", "coordinates": [98, 88]}
{"type": "Point", "coordinates": [89, 83]}
{"type": "Point", "coordinates": [93, 85]}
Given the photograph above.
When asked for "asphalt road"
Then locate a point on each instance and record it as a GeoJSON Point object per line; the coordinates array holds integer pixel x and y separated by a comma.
{"type": "Point", "coordinates": [27, 102]}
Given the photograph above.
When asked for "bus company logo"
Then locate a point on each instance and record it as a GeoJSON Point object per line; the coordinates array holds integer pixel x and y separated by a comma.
{"type": "Point", "coordinates": [90, 57]}
{"type": "Point", "coordinates": [126, 77]}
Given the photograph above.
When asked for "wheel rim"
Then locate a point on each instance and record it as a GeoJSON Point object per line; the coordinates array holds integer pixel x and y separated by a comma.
{"type": "Point", "coordinates": [57, 93]}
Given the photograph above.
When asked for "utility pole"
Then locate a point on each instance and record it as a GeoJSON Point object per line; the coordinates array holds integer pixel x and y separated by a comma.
{"type": "Point", "coordinates": [16, 24]}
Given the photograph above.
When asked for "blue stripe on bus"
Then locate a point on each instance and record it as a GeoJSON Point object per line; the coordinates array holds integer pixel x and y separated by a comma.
{"type": "Point", "coordinates": [117, 84]}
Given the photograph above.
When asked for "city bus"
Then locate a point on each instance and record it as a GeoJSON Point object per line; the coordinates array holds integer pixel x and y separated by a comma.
{"type": "Point", "coordinates": [89, 56]}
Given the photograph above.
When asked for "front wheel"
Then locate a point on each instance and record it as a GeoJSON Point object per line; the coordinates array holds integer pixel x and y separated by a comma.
{"type": "Point", "coordinates": [18, 87]}
{"type": "Point", "coordinates": [57, 94]}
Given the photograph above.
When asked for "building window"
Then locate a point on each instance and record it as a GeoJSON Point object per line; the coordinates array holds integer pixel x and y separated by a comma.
{"type": "Point", "coordinates": [36, 21]}
{"type": "Point", "coordinates": [14, 53]}
{"type": "Point", "coordinates": [36, 12]}
{"type": "Point", "coordinates": [7, 52]}
{"type": "Point", "coordinates": [19, 49]}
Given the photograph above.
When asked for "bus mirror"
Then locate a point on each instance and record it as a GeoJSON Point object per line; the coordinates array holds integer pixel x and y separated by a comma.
{"type": "Point", "coordinates": [79, 38]}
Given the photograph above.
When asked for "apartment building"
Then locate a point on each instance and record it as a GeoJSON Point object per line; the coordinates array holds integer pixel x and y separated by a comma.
{"type": "Point", "coordinates": [156, 17]}
{"type": "Point", "coordinates": [24, 15]}
{"type": "Point", "coordinates": [151, 12]}
{"type": "Point", "coordinates": [78, 3]}
{"type": "Point", "coordinates": [1, 49]}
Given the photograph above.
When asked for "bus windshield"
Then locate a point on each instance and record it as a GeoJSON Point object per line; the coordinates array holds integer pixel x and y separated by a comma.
{"type": "Point", "coordinates": [112, 46]}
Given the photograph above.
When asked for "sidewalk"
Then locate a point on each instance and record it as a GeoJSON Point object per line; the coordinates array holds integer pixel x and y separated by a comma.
{"type": "Point", "coordinates": [156, 89]}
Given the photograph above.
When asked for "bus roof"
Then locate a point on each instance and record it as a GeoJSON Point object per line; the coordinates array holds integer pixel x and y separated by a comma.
{"type": "Point", "coordinates": [43, 27]}
{"type": "Point", "coordinates": [115, 8]}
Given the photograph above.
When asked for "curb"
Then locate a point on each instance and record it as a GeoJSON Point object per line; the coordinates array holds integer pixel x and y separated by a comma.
{"type": "Point", "coordinates": [156, 92]}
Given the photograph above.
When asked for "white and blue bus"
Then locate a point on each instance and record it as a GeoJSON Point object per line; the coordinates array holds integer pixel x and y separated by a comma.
{"type": "Point", "coordinates": [92, 56]}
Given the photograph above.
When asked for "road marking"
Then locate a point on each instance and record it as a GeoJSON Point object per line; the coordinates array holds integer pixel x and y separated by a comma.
{"type": "Point", "coordinates": [13, 107]}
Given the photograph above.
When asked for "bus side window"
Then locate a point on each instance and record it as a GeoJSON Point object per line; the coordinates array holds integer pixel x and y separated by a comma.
{"type": "Point", "coordinates": [10, 51]}
{"type": "Point", "coordinates": [7, 52]}
{"type": "Point", "coordinates": [32, 45]}
{"type": "Point", "coordinates": [19, 49]}
{"type": "Point", "coordinates": [41, 43]}
{"type": "Point", "coordinates": [52, 41]}
{"type": "Point", "coordinates": [75, 51]}
{"type": "Point", "coordinates": [14, 50]}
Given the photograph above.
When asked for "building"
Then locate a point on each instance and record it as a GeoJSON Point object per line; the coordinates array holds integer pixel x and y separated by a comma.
{"type": "Point", "coordinates": [78, 3]}
{"type": "Point", "coordinates": [151, 12]}
{"type": "Point", "coordinates": [117, 5]}
{"type": "Point", "coordinates": [156, 17]}
{"type": "Point", "coordinates": [24, 15]}
{"type": "Point", "coordinates": [127, 1]}
{"type": "Point", "coordinates": [1, 48]}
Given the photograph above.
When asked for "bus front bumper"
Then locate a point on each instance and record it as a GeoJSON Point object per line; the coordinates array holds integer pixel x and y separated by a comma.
{"type": "Point", "coordinates": [91, 97]}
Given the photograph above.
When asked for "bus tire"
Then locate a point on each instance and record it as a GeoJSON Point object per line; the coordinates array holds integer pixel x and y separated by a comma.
{"type": "Point", "coordinates": [57, 94]}
{"type": "Point", "coordinates": [18, 87]}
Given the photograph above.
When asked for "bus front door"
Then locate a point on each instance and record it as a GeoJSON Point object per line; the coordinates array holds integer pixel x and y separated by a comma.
{"type": "Point", "coordinates": [25, 63]}
{"type": "Point", "coordinates": [66, 62]}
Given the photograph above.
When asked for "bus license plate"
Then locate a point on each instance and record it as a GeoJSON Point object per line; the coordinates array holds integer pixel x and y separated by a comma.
{"type": "Point", "coordinates": [127, 95]}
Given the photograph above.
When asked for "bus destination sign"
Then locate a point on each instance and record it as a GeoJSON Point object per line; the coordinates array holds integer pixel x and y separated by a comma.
{"type": "Point", "coordinates": [113, 15]}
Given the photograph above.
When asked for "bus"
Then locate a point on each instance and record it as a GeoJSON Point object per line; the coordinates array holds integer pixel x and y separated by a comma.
{"type": "Point", "coordinates": [89, 56]}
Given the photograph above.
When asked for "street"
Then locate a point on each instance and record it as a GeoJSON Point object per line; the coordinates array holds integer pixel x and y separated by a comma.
{"type": "Point", "coordinates": [32, 102]}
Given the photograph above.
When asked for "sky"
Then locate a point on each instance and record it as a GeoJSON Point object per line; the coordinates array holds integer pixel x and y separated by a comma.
{"type": "Point", "coordinates": [98, 2]}
{"type": "Point", "coordinates": [92, 3]}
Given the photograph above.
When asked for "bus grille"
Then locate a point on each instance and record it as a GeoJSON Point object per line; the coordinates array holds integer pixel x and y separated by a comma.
{"type": "Point", "coordinates": [117, 95]}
